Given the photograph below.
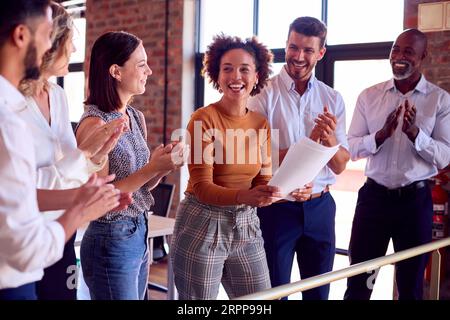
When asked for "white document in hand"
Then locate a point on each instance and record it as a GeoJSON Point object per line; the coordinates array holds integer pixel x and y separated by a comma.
{"type": "Point", "coordinates": [301, 165]}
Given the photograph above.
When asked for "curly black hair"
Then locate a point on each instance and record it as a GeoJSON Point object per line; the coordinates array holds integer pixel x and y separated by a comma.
{"type": "Point", "coordinates": [221, 44]}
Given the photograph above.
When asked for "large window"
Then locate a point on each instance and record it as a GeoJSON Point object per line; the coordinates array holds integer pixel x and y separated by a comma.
{"type": "Point", "coordinates": [274, 17]}
{"type": "Point", "coordinates": [360, 35]}
{"type": "Point", "coordinates": [354, 31]}
{"type": "Point", "coordinates": [229, 17]}
{"type": "Point", "coordinates": [73, 83]}
{"type": "Point", "coordinates": [363, 21]}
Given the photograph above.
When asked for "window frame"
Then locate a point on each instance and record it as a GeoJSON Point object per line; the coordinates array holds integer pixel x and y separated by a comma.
{"type": "Point", "coordinates": [77, 9]}
{"type": "Point", "coordinates": [325, 68]}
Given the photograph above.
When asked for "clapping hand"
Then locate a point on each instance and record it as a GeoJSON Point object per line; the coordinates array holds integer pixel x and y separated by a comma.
{"type": "Point", "coordinates": [125, 198]}
{"type": "Point", "coordinates": [389, 126]}
{"type": "Point", "coordinates": [323, 131]}
{"type": "Point", "coordinates": [97, 197]}
{"type": "Point", "coordinates": [409, 118]}
{"type": "Point", "coordinates": [180, 153]}
{"type": "Point", "coordinates": [102, 140]}
{"type": "Point", "coordinates": [165, 159]}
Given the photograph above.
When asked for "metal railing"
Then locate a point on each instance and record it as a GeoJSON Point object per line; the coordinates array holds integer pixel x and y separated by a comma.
{"type": "Point", "coordinates": [363, 267]}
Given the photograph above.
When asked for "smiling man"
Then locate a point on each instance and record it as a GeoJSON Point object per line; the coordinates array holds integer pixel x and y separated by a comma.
{"type": "Point", "coordinates": [402, 127]}
{"type": "Point", "coordinates": [298, 105]}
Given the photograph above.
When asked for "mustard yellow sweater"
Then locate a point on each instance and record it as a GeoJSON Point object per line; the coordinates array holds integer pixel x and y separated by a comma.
{"type": "Point", "coordinates": [216, 174]}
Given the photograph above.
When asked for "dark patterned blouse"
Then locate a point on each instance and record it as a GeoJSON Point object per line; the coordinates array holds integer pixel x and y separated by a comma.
{"type": "Point", "coordinates": [129, 155]}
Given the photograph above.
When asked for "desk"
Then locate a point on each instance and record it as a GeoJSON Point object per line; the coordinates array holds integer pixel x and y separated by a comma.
{"type": "Point", "coordinates": [157, 227]}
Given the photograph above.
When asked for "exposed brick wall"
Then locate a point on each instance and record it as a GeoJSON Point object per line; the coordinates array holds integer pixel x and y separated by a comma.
{"type": "Point", "coordinates": [146, 19]}
{"type": "Point", "coordinates": [437, 66]}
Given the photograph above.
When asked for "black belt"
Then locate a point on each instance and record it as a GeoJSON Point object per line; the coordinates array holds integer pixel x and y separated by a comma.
{"type": "Point", "coordinates": [398, 191]}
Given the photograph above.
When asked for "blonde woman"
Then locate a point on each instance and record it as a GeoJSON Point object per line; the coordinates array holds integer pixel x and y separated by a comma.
{"type": "Point", "coordinates": [60, 163]}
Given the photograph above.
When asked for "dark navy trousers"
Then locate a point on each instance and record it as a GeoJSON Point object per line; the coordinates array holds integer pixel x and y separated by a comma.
{"type": "Point", "coordinates": [60, 279]}
{"type": "Point", "coordinates": [58, 282]}
{"type": "Point", "coordinates": [304, 228]}
{"type": "Point", "coordinates": [25, 292]}
{"type": "Point", "coordinates": [380, 215]}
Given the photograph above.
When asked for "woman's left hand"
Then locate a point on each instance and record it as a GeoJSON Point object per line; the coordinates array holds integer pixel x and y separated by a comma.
{"type": "Point", "coordinates": [103, 139]}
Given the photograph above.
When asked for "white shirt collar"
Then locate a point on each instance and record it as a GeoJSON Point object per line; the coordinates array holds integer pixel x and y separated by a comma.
{"type": "Point", "coordinates": [290, 83]}
{"type": "Point", "coordinates": [422, 85]}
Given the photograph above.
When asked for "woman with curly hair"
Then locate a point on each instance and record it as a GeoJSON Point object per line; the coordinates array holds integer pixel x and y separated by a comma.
{"type": "Point", "coordinates": [217, 236]}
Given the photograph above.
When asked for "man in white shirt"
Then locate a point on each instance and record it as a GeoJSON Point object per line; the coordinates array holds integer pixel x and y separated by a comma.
{"type": "Point", "coordinates": [298, 105]}
{"type": "Point", "coordinates": [28, 243]}
{"type": "Point", "coordinates": [402, 126]}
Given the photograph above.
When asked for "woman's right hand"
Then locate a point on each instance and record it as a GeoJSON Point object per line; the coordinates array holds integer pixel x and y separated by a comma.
{"type": "Point", "coordinates": [102, 140]}
{"type": "Point", "coordinates": [97, 197]}
{"type": "Point", "coordinates": [167, 159]}
{"type": "Point", "coordinates": [259, 196]}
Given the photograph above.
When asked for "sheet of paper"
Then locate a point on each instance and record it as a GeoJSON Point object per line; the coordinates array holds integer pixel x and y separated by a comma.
{"type": "Point", "coordinates": [301, 165]}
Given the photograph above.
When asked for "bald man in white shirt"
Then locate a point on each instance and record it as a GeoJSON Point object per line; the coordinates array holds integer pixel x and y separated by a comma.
{"type": "Point", "coordinates": [28, 243]}
{"type": "Point", "coordinates": [402, 127]}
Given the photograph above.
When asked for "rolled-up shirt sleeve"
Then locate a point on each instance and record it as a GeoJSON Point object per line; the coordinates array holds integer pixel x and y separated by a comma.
{"type": "Point", "coordinates": [71, 171]}
{"type": "Point", "coordinates": [27, 241]}
{"type": "Point", "coordinates": [71, 168]}
{"type": "Point", "coordinates": [436, 149]}
{"type": "Point", "coordinates": [340, 132]}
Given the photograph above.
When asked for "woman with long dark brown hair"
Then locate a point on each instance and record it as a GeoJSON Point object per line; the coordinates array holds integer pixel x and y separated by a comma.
{"type": "Point", "coordinates": [114, 250]}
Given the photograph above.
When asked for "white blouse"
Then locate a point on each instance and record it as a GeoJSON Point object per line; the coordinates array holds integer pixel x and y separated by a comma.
{"type": "Point", "coordinates": [60, 164]}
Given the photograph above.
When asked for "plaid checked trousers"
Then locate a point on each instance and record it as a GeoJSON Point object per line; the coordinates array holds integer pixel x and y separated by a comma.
{"type": "Point", "coordinates": [217, 244]}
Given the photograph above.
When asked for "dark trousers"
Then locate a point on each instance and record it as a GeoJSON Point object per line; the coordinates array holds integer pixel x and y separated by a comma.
{"type": "Point", "coordinates": [60, 279]}
{"type": "Point", "coordinates": [380, 215]}
{"type": "Point", "coordinates": [305, 228]}
{"type": "Point", "coordinates": [25, 292]}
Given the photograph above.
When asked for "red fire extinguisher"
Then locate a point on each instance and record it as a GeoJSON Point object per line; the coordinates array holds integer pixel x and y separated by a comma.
{"type": "Point", "coordinates": [440, 207]}
{"type": "Point", "coordinates": [440, 218]}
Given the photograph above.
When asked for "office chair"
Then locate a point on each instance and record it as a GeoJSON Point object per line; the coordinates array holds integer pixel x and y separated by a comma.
{"type": "Point", "coordinates": [74, 126]}
{"type": "Point", "coordinates": [163, 195]}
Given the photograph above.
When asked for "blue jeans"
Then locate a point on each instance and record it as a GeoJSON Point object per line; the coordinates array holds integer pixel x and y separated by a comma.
{"type": "Point", "coordinates": [114, 258]}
